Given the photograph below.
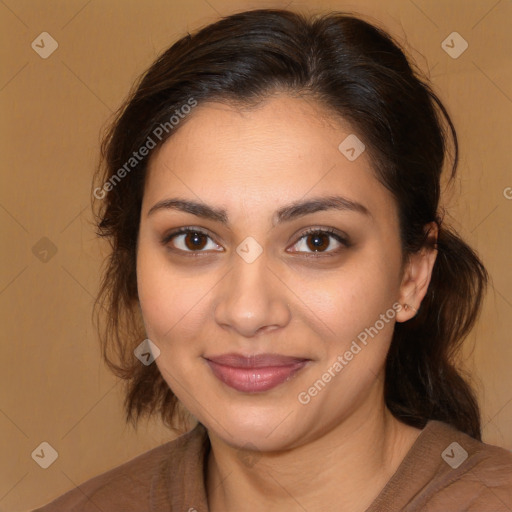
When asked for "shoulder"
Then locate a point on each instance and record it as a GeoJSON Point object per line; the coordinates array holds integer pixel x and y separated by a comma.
{"type": "Point", "coordinates": [128, 486]}
{"type": "Point", "coordinates": [447, 470]}
{"type": "Point", "coordinates": [470, 474]}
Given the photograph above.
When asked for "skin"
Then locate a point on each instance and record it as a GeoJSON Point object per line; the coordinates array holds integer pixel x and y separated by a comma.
{"type": "Point", "coordinates": [338, 451]}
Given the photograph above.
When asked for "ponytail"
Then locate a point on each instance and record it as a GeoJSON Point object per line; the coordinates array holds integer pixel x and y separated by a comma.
{"type": "Point", "coordinates": [422, 381]}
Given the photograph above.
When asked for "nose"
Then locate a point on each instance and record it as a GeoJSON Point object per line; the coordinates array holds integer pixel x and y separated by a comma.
{"type": "Point", "coordinates": [252, 299]}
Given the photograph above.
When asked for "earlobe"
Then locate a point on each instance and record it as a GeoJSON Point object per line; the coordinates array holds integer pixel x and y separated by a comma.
{"type": "Point", "coordinates": [408, 307]}
{"type": "Point", "coordinates": [417, 275]}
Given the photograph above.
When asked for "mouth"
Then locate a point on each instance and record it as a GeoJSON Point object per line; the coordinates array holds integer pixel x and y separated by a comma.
{"type": "Point", "coordinates": [255, 373]}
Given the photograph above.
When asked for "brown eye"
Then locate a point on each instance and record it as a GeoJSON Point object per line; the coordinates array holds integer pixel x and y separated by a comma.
{"type": "Point", "coordinates": [190, 240]}
{"type": "Point", "coordinates": [194, 240]}
{"type": "Point", "coordinates": [320, 241]}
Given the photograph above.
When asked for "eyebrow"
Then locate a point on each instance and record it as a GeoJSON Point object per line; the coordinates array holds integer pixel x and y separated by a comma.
{"type": "Point", "coordinates": [285, 214]}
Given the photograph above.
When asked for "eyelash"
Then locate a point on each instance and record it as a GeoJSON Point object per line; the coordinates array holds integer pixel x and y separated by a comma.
{"type": "Point", "coordinates": [312, 231]}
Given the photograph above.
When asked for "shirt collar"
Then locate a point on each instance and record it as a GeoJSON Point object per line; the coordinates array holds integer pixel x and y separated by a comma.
{"type": "Point", "coordinates": [180, 482]}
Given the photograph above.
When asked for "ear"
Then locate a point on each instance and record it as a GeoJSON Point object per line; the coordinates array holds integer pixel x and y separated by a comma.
{"type": "Point", "coordinates": [417, 275]}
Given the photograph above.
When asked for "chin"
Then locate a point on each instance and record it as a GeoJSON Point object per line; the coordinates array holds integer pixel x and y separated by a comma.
{"type": "Point", "coordinates": [267, 432]}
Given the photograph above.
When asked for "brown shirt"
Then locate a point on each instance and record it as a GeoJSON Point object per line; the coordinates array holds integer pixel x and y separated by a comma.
{"type": "Point", "coordinates": [444, 471]}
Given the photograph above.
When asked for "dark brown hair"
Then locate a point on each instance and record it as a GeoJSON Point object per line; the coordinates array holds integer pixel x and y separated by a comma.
{"type": "Point", "coordinates": [359, 73]}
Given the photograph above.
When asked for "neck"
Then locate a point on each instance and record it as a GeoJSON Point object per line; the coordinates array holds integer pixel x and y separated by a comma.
{"type": "Point", "coordinates": [344, 469]}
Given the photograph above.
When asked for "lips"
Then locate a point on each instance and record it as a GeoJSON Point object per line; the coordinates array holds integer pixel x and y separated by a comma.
{"type": "Point", "coordinates": [255, 361]}
{"type": "Point", "coordinates": [255, 373]}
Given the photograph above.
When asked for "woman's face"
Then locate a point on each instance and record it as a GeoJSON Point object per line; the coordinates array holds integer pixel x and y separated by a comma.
{"type": "Point", "coordinates": [256, 283]}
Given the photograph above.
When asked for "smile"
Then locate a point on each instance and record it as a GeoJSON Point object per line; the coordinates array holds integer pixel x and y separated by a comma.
{"type": "Point", "coordinates": [255, 379]}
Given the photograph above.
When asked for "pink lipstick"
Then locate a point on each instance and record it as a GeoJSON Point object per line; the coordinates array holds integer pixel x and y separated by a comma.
{"type": "Point", "coordinates": [255, 373]}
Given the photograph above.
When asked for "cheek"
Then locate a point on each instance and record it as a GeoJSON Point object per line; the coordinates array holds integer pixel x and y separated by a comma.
{"type": "Point", "coordinates": [174, 302]}
{"type": "Point", "coordinates": [171, 307]}
{"type": "Point", "coordinates": [352, 298]}
{"type": "Point", "coordinates": [162, 300]}
{"type": "Point", "coordinates": [351, 303]}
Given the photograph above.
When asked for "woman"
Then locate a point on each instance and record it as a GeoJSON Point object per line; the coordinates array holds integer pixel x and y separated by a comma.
{"type": "Point", "coordinates": [271, 192]}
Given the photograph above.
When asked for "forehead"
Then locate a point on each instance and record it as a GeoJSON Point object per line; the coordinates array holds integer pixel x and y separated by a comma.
{"type": "Point", "coordinates": [280, 151]}
{"type": "Point", "coordinates": [279, 130]}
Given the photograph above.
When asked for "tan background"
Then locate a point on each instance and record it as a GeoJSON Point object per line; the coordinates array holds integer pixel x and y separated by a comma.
{"type": "Point", "coordinates": [54, 387]}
